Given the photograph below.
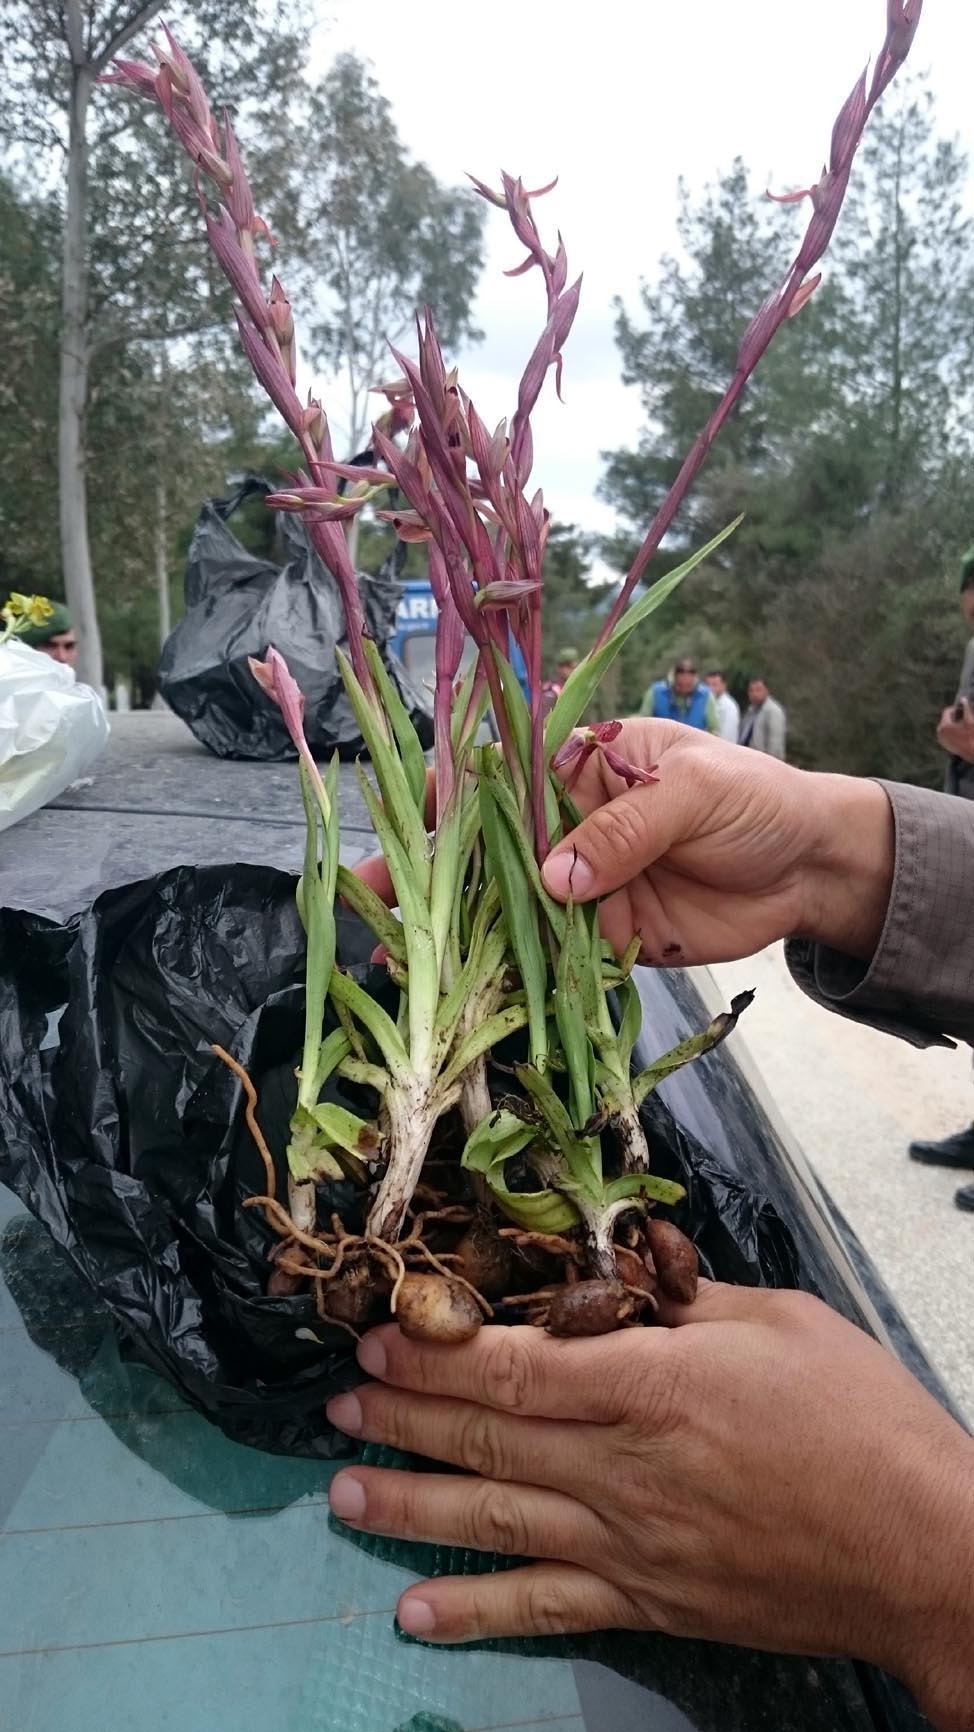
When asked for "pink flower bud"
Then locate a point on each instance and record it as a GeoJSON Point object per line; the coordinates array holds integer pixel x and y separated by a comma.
{"type": "Point", "coordinates": [278, 683]}
{"type": "Point", "coordinates": [507, 593]}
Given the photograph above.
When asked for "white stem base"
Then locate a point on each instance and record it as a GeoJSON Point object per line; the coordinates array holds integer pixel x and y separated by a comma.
{"type": "Point", "coordinates": [411, 1108]}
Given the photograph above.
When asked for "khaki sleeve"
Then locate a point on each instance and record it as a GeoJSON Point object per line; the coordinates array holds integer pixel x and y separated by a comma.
{"type": "Point", "coordinates": [920, 982]}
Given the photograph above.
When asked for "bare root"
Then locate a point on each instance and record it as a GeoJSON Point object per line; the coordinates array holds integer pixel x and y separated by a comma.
{"type": "Point", "coordinates": [250, 1113]}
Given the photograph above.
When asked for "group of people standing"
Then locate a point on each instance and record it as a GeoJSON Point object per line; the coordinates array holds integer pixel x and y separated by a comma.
{"type": "Point", "coordinates": [707, 703]}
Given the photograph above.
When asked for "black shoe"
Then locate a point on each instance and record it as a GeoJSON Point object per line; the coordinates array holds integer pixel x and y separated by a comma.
{"type": "Point", "coordinates": [964, 1198]}
{"type": "Point", "coordinates": [955, 1151]}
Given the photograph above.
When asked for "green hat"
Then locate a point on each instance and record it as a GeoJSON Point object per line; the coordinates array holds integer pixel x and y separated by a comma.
{"type": "Point", "coordinates": [967, 568]}
{"type": "Point", "coordinates": [566, 655]}
{"type": "Point", "coordinates": [59, 621]}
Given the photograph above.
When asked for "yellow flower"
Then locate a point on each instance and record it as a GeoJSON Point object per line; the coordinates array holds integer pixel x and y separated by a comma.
{"type": "Point", "coordinates": [22, 611]}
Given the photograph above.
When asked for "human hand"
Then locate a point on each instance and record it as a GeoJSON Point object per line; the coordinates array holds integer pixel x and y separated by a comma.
{"type": "Point", "coordinates": [763, 1474]}
{"type": "Point", "coordinates": [726, 852]}
{"type": "Point", "coordinates": [957, 737]}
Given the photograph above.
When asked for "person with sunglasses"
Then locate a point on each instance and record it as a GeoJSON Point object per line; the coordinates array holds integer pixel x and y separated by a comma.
{"type": "Point", "coordinates": [683, 698]}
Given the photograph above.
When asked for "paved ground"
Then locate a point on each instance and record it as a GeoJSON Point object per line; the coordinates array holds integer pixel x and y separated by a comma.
{"type": "Point", "coordinates": [854, 1099]}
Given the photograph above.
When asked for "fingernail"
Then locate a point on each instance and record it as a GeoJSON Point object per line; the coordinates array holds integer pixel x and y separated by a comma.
{"type": "Point", "coordinates": [347, 1498]}
{"type": "Point", "coordinates": [416, 1617]}
{"type": "Point", "coordinates": [345, 1411]}
{"type": "Point", "coordinates": [371, 1355]}
{"type": "Point", "coordinates": [566, 873]}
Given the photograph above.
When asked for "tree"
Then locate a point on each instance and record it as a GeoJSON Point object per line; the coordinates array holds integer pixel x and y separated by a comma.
{"type": "Point", "coordinates": [203, 423]}
{"type": "Point", "coordinates": [681, 356]}
{"type": "Point", "coordinates": [53, 53]}
{"type": "Point", "coordinates": [906, 255]}
{"type": "Point", "coordinates": [381, 236]}
{"type": "Point", "coordinates": [846, 454]}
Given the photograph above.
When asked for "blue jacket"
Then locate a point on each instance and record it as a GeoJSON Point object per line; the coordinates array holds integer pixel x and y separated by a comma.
{"type": "Point", "coordinates": [661, 700]}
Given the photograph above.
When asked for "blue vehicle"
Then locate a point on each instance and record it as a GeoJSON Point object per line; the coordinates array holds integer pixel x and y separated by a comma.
{"type": "Point", "coordinates": [414, 640]}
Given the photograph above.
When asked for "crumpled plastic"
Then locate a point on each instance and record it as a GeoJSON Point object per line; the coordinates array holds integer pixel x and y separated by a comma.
{"type": "Point", "coordinates": [51, 730]}
{"type": "Point", "coordinates": [236, 605]}
{"type": "Point", "coordinates": [124, 1134]}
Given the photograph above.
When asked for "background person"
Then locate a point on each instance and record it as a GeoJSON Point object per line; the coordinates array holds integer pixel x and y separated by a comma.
{"type": "Point", "coordinates": [955, 734]}
{"type": "Point", "coordinates": [728, 709]}
{"type": "Point", "coordinates": [56, 638]}
{"type": "Point", "coordinates": [565, 665]}
{"type": "Point", "coordinates": [764, 724]}
{"type": "Point", "coordinates": [684, 698]}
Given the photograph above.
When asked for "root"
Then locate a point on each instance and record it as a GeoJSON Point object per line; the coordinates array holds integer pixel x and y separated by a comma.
{"type": "Point", "coordinates": [550, 1242]}
{"type": "Point", "coordinates": [536, 1298]}
{"type": "Point", "coordinates": [250, 1114]}
{"type": "Point", "coordinates": [280, 1220]}
{"type": "Point", "coordinates": [382, 1249]}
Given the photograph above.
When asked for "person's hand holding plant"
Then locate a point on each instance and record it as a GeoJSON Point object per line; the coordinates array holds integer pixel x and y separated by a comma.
{"type": "Point", "coordinates": [761, 1473]}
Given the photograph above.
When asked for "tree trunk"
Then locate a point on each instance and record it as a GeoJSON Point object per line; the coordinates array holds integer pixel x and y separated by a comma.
{"type": "Point", "coordinates": [894, 474]}
{"type": "Point", "coordinates": [72, 478]}
{"type": "Point", "coordinates": [161, 535]}
{"type": "Point", "coordinates": [162, 564]}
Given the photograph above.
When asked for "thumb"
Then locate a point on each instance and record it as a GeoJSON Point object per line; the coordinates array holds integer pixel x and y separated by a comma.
{"type": "Point", "coordinates": [616, 842]}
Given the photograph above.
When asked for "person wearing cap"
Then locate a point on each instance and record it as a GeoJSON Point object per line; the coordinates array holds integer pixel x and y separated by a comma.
{"type": "Point", "coordinates": [684, 698]}
{"type": "Point", "coordinates": [955, 734]}
{"type": "Point", "coordinates": [566, 663]}
{"type": "Point", "coordinates": [56, 638]}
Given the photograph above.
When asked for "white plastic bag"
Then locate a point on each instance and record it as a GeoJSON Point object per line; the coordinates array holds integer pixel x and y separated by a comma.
{"type": "Point", "coordinates": [51, 729]}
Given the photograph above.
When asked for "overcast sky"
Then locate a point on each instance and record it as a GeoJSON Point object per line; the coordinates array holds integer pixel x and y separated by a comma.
{"type": "Point", "coordinates": [617, 107]}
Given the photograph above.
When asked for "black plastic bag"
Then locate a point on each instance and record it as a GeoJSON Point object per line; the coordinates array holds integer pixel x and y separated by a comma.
{"type": "Point", "coordinates": [236, 604]}
{"type": "Point", "coordinates": [124, 1134]}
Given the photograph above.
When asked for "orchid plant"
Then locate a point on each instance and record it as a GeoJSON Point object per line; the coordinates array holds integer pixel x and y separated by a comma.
{"type": "Point", "coordinates": [479, 953]}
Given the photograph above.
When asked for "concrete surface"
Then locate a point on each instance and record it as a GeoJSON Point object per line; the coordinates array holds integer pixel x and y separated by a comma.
{"type": "Point", "coordinates": [854, 1099]}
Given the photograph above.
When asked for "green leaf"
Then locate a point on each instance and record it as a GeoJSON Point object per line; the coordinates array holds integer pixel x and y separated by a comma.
{"type": "Point", "coordinates": [346, 992]}
{"type": "Point", "coordinates": [334, 1049]}
{"type": "Point", "coordinates": [630, 1022]}
{"type": "Point", "coordinates": [494, 769]}
{"type": "Point", "coordinates": [398, 803]}
{"type": "Point", "coordinates": [490, 1033]}
{"type": "Point", "coordinates": [520, 912]}
{"type": "Point", "coordinates": [485, 959]}
{"type": "Point", "coordinates": [582, 1156]}
{"type": "Point", "coordinates": [581, 685]}
{"type": "Point", "coordinates": [424, 980]}
{"type": "Point", "coordinates": [461, 705]}
{"type": "Point", "coordinates": [307, 1157]}
{"type": "Point", "coordinates": [318, 913]}
{"type": "Point", "coordinates": [446, 878]}
{"type": "Point", "coordinates": [370, 908]}
{"type": "Point", "coordinates": [517, 712]}
{"type": "Point", "coordinates": [345, 1130]}
{"type": "Point", "coordinates": [488, 1150]}
{"type": "Point", "coordinates": [536, 1211]}
{"type": "Point", "coordinates": [692, 1048]}
{"type": "Point", "coordinates": [571, 993]}
{"type": "Point", "coordinates": [644, 1185]}
{"type": "Point", "coordinates": [495, 1140]}
{"type": "Point", "coordinates": [407, 739]}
